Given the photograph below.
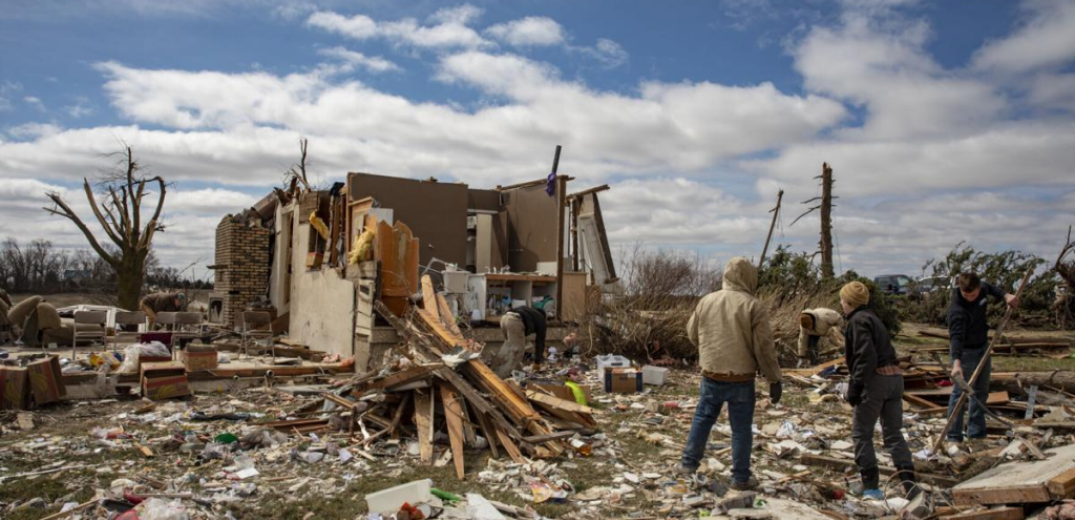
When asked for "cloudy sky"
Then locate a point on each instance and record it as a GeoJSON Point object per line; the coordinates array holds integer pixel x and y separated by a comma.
{"type": "Point", "coordinates": [945, 121]}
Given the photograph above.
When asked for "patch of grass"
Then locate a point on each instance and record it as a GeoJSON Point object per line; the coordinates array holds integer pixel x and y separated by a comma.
{"type": "Point", "coordinates": [1027, 364]}
{"type": "Point", "coordinates": [47, 487]}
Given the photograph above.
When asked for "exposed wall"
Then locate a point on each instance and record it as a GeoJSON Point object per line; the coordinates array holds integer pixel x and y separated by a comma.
{"type": "Point", "coordinates": [435, 212]}
{"type": "Point", "coordinates": [322, 302]}
{"type": "Point", "coordinates": [280, 280]}
{"type": "Point", "coordinates": [531, 227]}
{"type": "Point", "coordinates": [242, 257]}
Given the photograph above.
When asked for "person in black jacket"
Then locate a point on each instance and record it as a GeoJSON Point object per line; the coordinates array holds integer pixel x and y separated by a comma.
{"type": "Point", "coordinates": [875, 389]}
{"type": "Point", "coordinates": [969, 332]}
{"type": "Point", "coordinates": [517, 324]}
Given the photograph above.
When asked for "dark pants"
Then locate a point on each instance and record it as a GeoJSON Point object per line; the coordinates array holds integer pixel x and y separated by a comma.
{"type": "Point", "coordinates": [740, 398]}
{"type": "Point", "coordinates": [883, 399]}
{"type": "Point", "coordinates": [976, 427]}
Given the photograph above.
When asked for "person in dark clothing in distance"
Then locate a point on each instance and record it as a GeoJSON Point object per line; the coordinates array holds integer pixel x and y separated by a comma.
{"type": "Point", "coordinates": [875, 389]}
{"type": "Point", "coordinates": [517, 324]}
{"type": "Point", "coordinates": [968, 329]}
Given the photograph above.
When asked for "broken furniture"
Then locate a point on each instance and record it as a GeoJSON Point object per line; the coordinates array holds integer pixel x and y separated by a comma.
{"type": "Point", "coordinates": [98, 318]}
{"type": "Point", "coordinates": [257, 326]}
{"type": "Point", "coordinates": [126, 319]}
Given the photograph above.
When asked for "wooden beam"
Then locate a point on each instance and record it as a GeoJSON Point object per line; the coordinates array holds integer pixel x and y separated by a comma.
{"type": "Point", "coordinates": [423, 418]}
{"type": "Point", "coordinates": [429, 297]}
{"type": "Point", "coordinates": [1063, 485]}
{"type": "Point", "coordinates": [453, 413]}
{"type": "Point", "coordinates": [582, 193]}
{"type": "Point", "coordinates": [561, 187]}
{"type": "Point", "coordinates": [1003, 513]}
{"type": "Point", "coordinates": [918, 401]}
{"type": "Point", "coordinates": [556, 402]}
{"type": "Point", "coordinates": [489, 433]}
{"type": "Point", "coordinates": [403, 376]}
{"type": "Point", "coordinates": [446, 316]}
{"type": "Point", "coordinates": [510, 447]}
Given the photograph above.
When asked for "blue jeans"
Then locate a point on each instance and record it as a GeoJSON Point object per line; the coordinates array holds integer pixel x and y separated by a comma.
{"type": "Point", "coordinates": [976, 426]}
{"type": "Point", "coordinates": [740, 398]}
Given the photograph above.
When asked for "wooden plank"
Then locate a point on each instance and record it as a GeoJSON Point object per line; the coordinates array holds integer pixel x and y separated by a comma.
{"type": "Point", "coordinates": [489, 433]}
{"type": "Point", "coordinates": [556, 402]}
{"type": "Point", "coordinates": [429, 298]}
{"type": "Point", "coordinates": [918, 401]}
{"type": "Point", "coordinates": [403, 376]}
{"type": "Point", "coordinates": [1002, 513]}
{"type": "Point", "coordinates": [453, 414]}
{"type": "Point", "coordinates": [1031, 493]}
{"type": "Point", "coordinates": [1063, 485]}
{"type": "Point", "coordinates": [446, 316]}
{"type": "Point", "coordinates": [510, 447]}
{"type": "Point", "coordinates": [813, 371]}
{"type": "Point", "coordinates": [538, 439]}
{"type": "Point", "coordinates": [423, 418]}
{"type": "Point", "coordinates": [393, 429]}
{"type": "Point", "coordinates": [468, 427]}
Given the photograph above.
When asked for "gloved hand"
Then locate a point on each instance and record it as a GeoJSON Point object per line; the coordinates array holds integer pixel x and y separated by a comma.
{"type": "Point", "coordinates": [854, 396]}
{"type": "Point", "coordinates": [775, 391]}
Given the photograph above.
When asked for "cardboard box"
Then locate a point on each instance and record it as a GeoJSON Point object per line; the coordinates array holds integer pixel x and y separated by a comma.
{"type": "Point", "coordinates": [197, 357]}
{"type": "Point", "coordinates": [46, 380]}
{"type": "Point", "coordinates": [13, 388]}
{"type": "Point", "coordinates": [164, 380]}
{"type": "Point", "coordinates": [152, 359]}
{"type": "Point", "coordinates": [623, 381]}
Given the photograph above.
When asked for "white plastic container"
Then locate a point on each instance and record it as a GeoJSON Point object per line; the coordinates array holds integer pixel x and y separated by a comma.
{"type": "Point", "coordinates": [610, 361]}
{"type": "Point", "coordinates": [652, 375]}
{"type": "Point", "coordinates": [388, 501]}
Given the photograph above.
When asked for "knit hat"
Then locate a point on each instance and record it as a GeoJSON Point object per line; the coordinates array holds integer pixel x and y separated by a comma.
{"type": "Point", "coordinates": [855, 294]}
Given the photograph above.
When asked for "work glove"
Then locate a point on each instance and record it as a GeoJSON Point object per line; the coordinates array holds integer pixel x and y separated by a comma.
{"type": "Point", "coordinates": [775, 391]}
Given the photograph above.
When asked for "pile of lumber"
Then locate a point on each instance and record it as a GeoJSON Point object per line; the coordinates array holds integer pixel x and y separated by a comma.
{"type": "Point", "coordinates": [421, 395]}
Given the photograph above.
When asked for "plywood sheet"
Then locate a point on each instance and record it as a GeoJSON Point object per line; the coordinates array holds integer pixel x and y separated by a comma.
{"type": "Point", "coordinates": [1016, 482]}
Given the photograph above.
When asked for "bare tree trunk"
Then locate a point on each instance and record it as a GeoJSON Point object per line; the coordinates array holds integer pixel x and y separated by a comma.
{"type": "Point", "coordinates": [827, 271]}
{"type": "Point", "coordinates": [119, 213]}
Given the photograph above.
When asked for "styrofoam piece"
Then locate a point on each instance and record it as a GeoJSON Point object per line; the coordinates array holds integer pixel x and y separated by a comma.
{"type": "Point", "coordinates": [389, 500]}
{"type": "Point", "coordinates": [610, 361]}
{"type": "Point", "coordinates": [652, 375]}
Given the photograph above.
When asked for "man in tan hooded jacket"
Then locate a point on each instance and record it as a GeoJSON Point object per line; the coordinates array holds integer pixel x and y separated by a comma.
{"type": "Point", "coordinates": [730, 327]}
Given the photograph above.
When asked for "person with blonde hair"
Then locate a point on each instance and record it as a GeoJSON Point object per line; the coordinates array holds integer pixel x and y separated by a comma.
{"type": "Point", "coordinates": [875, 389]}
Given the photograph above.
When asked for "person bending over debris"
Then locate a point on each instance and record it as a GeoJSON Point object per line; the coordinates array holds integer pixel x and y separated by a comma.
{"type": "Point", "coordinates": [517, 324]}
{"type": "Point", "coordinates": [819, 332]}
{"type": "Point", "coordinates": [969, 332]}
{"type": "Point", "coordinates": [162, 302]}
{"type": "Point", "coordinates": [875, 389]}
{"type": "Point", "coordinates": [730, 327]}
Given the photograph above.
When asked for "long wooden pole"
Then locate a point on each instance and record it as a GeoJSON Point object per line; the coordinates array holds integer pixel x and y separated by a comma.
{"type": "Point", "coordinates": [958, 410]}
{"type": "Point", "coordinates": [772, 225]}
{"type": "Point", "coordinates": [826, 222]}
{"type": "Point", "coordinates": [561, 187]}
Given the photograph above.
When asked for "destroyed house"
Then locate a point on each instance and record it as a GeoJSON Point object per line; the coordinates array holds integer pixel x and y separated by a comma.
{"type": "Point", "coordinates": [301, 255]}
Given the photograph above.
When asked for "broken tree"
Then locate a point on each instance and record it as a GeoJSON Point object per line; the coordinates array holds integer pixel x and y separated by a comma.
{"type": "Point", "coordinates": [119, 213]}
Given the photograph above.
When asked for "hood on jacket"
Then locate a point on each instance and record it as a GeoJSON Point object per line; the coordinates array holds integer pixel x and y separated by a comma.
{"type": "Point", "coordinates": [740, 275]}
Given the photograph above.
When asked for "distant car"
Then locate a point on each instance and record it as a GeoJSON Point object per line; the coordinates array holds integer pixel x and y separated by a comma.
{"type": "Point", "coordinates": [893, 283]}
{"type": "Point", "coordinates": [931, 284]}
